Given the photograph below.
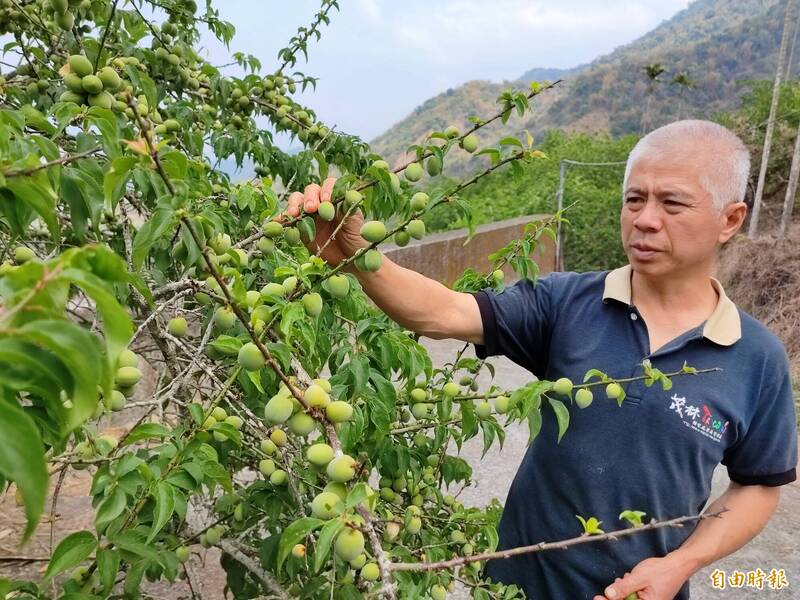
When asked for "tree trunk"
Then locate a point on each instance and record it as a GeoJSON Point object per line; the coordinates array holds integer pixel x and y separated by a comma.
{"type": "Point", "coordinates": [791, 189]}
{"type": "Point", "coordinates": [776, 89]}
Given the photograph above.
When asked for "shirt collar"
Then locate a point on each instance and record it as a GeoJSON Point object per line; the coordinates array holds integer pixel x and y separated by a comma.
{"type": "Point", "coordinates": [723, 326]}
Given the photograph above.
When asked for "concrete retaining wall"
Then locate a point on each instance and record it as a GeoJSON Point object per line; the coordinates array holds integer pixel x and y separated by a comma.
{"type": "Point", "coordinates": [443, 256]}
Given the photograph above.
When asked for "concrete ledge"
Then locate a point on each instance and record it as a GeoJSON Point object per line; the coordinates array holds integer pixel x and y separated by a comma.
{"type": "Point", "coordinates": [444, 257]}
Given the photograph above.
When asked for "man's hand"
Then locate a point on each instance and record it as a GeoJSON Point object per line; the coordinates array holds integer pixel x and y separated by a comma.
{"type": "Point", "coordinates": [651, 579]}
{"type": "Point", "coordinates": [348, 240]}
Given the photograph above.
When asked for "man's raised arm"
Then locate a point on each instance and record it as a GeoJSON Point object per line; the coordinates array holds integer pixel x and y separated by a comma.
{"type": "Point", "coordinates": [414, 301]}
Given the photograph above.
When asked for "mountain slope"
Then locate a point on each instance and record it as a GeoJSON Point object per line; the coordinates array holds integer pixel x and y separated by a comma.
{"type": "Point", "coordinates": [717, 43]}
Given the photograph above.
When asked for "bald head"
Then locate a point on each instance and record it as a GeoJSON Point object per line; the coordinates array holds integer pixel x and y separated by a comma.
{"type": "Point", "coordinates": [722, 158]}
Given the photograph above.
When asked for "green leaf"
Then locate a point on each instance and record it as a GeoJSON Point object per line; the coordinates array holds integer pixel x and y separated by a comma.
{"type": "Point", "coordinates": [115, 179]}
{"type": "Point", "coordinates": [70, 552]}
{"type": "Point", "coordinates": [161, 221]}
{"type": "Point", "coordinates": [323, 546]}
{"type": "Point", "coordinates": [294, 533]}
{"type": "Point", "coordinates": [106, 122]}
{"type": "Point", "coordinates": [78, 350]}
{"type": "Point", "coordinates": [165, 506]}
{"type": "Point", "coordinates": [107, 567]}
{"type": "Point", "coordinates": [111, 508]}
{"type": "Point", "coordinates": [145, 431]}
{"type": "Point", "coordinates": [634, 517]}
{"type": "Point", "coordinates": [36, 192]}
{"type": "Point", "coordinates": [117, 324]}
{"type": "Point", "coordinates": [22, 461]}
{"type": "Point", "coordinates": [562, 415]}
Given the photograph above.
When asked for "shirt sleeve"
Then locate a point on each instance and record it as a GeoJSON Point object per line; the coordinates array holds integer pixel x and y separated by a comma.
{"type": "Point", "coordinates": [517, 322]}
{"type": "Point", "coordinates": [767, 453]}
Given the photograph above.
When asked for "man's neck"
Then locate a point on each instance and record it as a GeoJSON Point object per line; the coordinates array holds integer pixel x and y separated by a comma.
{"type": "Point", "coordinates": [685, 293]}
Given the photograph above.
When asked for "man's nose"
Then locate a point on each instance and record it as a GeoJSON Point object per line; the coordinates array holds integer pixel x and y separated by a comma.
{"type": "Point", "coordinates": [649, 218]}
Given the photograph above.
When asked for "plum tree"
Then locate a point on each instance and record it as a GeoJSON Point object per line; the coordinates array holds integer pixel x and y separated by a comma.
{"type": "Point", "coordinates": [293, 395]}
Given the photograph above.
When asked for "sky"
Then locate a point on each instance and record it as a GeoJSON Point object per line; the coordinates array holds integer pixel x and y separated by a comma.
{"type": "Point", "coordinates": [379, 59]}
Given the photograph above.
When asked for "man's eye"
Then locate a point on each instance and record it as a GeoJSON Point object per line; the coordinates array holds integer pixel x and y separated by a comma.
{"type": "Point", "coordinates": [632, 199]}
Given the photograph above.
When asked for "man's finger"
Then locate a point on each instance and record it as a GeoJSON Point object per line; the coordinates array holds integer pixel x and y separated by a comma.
{"type": "Point", "coordinates": [621, 588]}
{"type": "Point", "coordinates": [295, 202]}
{"type": "Point", "coordinates": [327, 189]}
{"type": "Point", "coordinates": [311, 197]}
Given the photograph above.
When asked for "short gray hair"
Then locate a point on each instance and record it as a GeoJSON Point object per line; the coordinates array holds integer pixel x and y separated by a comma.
{"type": "Point", "coordinates": [727, 165]}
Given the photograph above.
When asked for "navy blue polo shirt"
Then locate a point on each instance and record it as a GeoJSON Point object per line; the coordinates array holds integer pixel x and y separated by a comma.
{"type": "Point", "coordinates": [655, 453]}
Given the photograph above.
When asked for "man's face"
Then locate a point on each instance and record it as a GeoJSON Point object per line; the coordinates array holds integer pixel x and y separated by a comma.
{"type": "Point", "coordinates": [668, 220]}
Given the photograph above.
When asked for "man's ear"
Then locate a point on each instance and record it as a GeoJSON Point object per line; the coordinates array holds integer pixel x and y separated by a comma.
{"type": "Point", "coordinates": [731, 220]}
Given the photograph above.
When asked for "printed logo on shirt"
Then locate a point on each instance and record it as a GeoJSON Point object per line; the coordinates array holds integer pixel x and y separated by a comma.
{"type": "Point", "coordinates": [701, 419]}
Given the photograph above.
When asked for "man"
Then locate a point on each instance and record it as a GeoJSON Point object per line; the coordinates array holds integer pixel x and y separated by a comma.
{"type": "Point", "coordinates": [682, 200]}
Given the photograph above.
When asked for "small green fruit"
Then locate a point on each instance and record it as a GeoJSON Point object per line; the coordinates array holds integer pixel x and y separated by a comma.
{"type": "Point", "coordinates": [337, 488]}
{"type": "Point", "coordinates": [502, 404]}
{"type": "Point", "coordinates": [278, 437]}
{"type": "Point", "coordinates": [401, 238]}
{"type": "Point", "coordinates": [483, 409]}
{"type": "Point", "coordinates": [563, 386]}
{"type": "Point", "coordinates": [219, 413]}
{"type": "Point", "coordinates": [414, 525]}
{"type": "Point", "coordinates": [182, 554]}
{"type": "Point", "coordinates": [438, 592]}
{"type": "Point", "coordinates": [319, 454]}
{"type": "Point", "coordinates": [250, 357]}
{"type": "Point", "coordinates": [413, 172]}
{"type": "Point", "coordinates": [613, 390]}
{"type": "Point", "coordinates": [418, 395]}
{"type": "Point", "coordinates": [234, 421]}
{"type": "Point", "coordinates": [278, 477]}
{"type": "Point", "coordinates": [323, 506]}
{"type": "Point", "coordinates": [92, 84]}
{"type": "Point", "coordinates": [349, 544]}
{"type": "Point", "coordinates": [339, 286]}
{"type": "Point", "coordinates": [450, 389]}
{"type": "Point", "coordinates": [292, 236]}
{"type": "Point", "coordinates": [370, 572]}
{"type": "Point", "coordinates": [278, 409]}
{"type": "Point", "coordinates": [272, 229]}
{"type": "Point", "coordinates": [177, 326]}
{"type": "Point", "coordinates": [214, 535]}
{"type": "Point", "coordinates": [268, 447]}
{"type": "Point", "coordinates": [266, 245]}
{"type": "Point", "coordinates": [326, 211]}
{"type": "Point", "coordinates": [372, 260]}
{"type": "Point", "coordinates": [341, 468]}
{"type": "Point", "coordinates": [127, 358]}
{"type": "Point", "coordinates": [470, 143]}
{"type": "Point", "coordinates": [23, 254]}
{"type": "Point", "coordinates": [373, 231]}
{"type": "Point", "coordinates": [109, 78]}
{"type": "Point", "coordinates": [302, 424]}
{"type": "Point", "coordinates": [224, 317]}
{"type": "Point", "coordinates": [103, 100]}
{"type": "Point", "coordinates": [316, 396]}
{"type": "Point", "coordinates": [452, 132]}
{"type": "Point", "coordinates": [381, 164]}
{"type": "Point", "coordinates": [312, 302]}
{"type": "Point", "coordinates": [266, 466]}
{"type": "Point", "coordinates": [416, 229]}
{"type": "Point", "coordinates": [433, 166]}
{"type": "Point", "coordinates": [73, 83]}
{"type": "Point", "coordinates": [583, 397]}
{"type": "Point", "coordinates": [127, 376]}
{"type": "Point", "coordinates": [339, 411]}
{"type": "Point", "coordinates": [352, 197]}
{"type": "Point", "coordinates": [419, 201]}
{"type": "Point", "coordinates": [272, 291]}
